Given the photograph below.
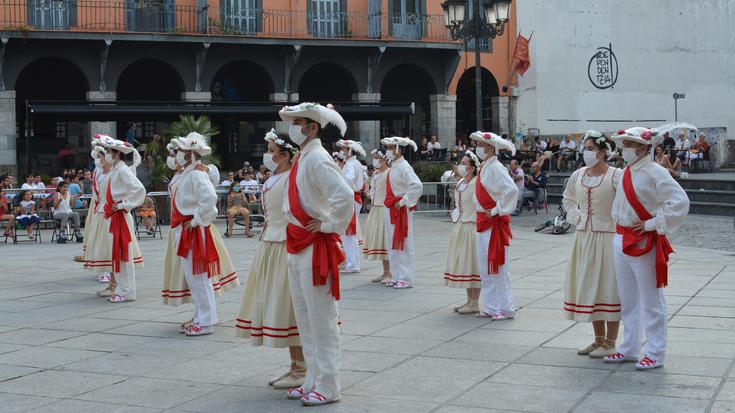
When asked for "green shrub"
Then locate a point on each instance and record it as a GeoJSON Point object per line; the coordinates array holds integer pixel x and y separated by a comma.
{"type": "Point", "coordinates": [431, 171]}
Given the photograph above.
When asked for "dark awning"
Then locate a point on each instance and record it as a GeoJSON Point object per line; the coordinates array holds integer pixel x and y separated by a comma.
{"type": "Point", "coordinates": [124, 111]}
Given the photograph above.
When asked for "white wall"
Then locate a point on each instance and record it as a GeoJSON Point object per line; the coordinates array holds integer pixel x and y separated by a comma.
{"type": "Point", "coordinates": [662, 47]}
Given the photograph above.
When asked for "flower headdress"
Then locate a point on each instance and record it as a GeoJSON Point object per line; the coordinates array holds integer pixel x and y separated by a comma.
{"type": "Point", "coordinates": [271, 136]}
{"type": "Point", "coordinates": [379, 153]}
{"type": "Point", "coordinates": [475, 159]}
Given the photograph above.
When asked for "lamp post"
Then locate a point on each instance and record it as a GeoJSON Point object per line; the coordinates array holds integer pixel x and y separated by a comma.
{"type": "Point", "coordinates": [456, 18]}
{"type": "Point", "coordinates": [677, 96]}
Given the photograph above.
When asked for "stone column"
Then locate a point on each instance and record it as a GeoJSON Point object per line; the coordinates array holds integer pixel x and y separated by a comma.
{"type": "Point", "coordinates": [444, 118]}
{"type": "Point", "coordinates": [366, 131]}
{"type": "Point", "coordinates": [292, 98]}
{"type": "Point", "coordinates": [501, 114]}
{"type": "Point", "coordinates": [103, 128]}
{"type": "Point", "coordinates": [8, 133]}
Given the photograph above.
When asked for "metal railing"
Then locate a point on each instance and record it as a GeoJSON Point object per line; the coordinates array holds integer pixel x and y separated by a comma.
{"type": "Point", "coordinates": [226, 19]}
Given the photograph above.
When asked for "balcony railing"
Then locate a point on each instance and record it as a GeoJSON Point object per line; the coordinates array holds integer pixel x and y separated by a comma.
{"type": "Point", "coordinates": [156, 16]}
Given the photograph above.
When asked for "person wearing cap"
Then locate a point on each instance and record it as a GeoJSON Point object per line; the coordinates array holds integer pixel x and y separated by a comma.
{"type": "Point", "coordinates": [496, 196]}
{"type": "Point", "coordinates": [461, 269]}
{"type": "Point", "coordinates": [266, 311]}
{"type": "Point", "coordinates": [193, 210]}
{"type": "Point", "coordinates": [175, 289]}
{"type": "Point", "coordinates": [650, 206]}
{"type": "Point", "coordinates": [374, 247]}
{"type": "Point", "coordinates": [591, 292]}
{"type": "Point", "coordinates": [95, 235]}
{"type": "Point", "coordinates": [402, 192]}
{"type": "Point", "coordinates": [354, 175]}
{"type": "Point", "coordinates": [318, 205]}
{"type": "Point", "coordinates": [121, 192]}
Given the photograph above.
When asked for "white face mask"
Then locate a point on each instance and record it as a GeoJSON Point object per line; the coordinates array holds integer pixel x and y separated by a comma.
{"type": "Point", "coordinates": [108, 158]}
{"type": "Point", "coordinates": [269, 163]}
{"type": "Point", "coordinates": [590, 158]}
{"type": "Point", "coordinates": [294, 132]}
{"type": "Point", "coordinates": [462, 170]}
{"type": "Point", "coordinates": [98, 162]}
{"type": "Point", "coordinates": [171, 162]}
{"type": "Point", "coordinates": [376, 163]}
{"type": "Point", "coordinates": [180, 158]}
{"type": "Point", "coordinates": [629, 155]}
{"type": "Point", "coordinates": [480, 151]}
{"type": "Point", "coordinates": [390, 155]}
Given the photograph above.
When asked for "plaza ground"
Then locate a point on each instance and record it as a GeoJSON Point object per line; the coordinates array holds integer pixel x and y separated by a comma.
{"type": "Point", "coordinates": [62, 349]}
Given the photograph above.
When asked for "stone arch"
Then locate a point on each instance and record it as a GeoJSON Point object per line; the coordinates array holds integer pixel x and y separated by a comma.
{"type": "Point", "coordinates": [241, 80]}
{"type": "Point", "coordinates": [327, 82]}
{"type": "Point", "coordinates": [149, 79]}
{"type": "Point", "coordinates": [466, 100]}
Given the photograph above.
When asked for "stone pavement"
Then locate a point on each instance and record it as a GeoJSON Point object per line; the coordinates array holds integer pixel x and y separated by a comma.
{"type": "Point", "coordinates": [62, 349]}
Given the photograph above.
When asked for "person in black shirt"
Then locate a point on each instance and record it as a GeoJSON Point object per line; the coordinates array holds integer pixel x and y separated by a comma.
{"type": "Point", "coordinates": [535, 189]}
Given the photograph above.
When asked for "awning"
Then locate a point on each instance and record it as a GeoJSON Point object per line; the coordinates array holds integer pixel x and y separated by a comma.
{"type": "Point", "coordinates": [125, 111]}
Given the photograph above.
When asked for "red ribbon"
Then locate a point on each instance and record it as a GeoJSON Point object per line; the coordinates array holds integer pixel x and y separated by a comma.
{"type": "Point", "coordinates": [121, 238]}
{"type": "Point", "coordinates": [352, 228]}
{"type": "Point", "coordinates": [499, 225]}
{"type": "Point", "coordinates": [632, 237]}
{"type": "Point", "coordinates": [204, 253]}
{"type": "Point", "coordinates": [326, 254]}
{"type": "Point", "coordinates": [398, 217]}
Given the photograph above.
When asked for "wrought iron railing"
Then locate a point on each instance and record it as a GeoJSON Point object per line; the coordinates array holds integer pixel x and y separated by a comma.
{"type": "Point", "coordinates": [163, 16]}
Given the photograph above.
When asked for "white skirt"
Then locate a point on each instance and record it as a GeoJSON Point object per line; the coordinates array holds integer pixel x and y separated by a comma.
{"type": "Point", "coordinates": [266, 312]}
{"type": "Point", "coordinates": [98, 254]}
{"type": "Point", "coordinates": [374, 246]}
{"type": "Point", "coordinates": [462, 269]}
{"type": "Point", "coordinates": [591, 287]}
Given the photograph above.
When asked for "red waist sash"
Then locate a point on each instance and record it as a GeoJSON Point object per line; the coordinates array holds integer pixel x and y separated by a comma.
{"type": "Point", "coordinates": [204, 253]}
{"type": "Point", "coordinates": [499, 225]}
{"type": "Point", "coordinates": [326, 254]}
{"type": "Point", "coordinates": [121, 238]}
{"type": "Point", "coordinates": [352, 228]}
{"type": "Point", "coordinates": [398, 216]}
{"type": "Point", "coordinates": [652, 239]}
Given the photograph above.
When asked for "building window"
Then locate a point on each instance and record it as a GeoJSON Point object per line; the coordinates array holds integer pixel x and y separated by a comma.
{"type": "Point", "coordinates": [407, 18]}
{"type": "Point", "coordinates": [241, 16]}
{"type": "Point", "coordinates": [61, 129]}
{"type": "Point", "coordinates": [52, 14]}
{"type": "Point", "coordinates": [327, 18]}
{"type": "Point", "coordinates": [149, 129]}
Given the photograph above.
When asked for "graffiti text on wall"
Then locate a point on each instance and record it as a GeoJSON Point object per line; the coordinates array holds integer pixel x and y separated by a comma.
{"type": "Point", "coordinates": [603, 68]}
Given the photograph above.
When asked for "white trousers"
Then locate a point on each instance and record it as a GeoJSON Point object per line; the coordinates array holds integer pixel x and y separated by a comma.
{"type": "Point", "coordinates": [316, 316]}
{"type": "Point", "coordinates": [497, 294]}
{"type": "Point", "coordinates": [351, 244]}
{"type": "Point", "coordinates": [640, 300]}
{"type": "Point", "coordinates": [402, 263]}
{"type": "Point", "coordinates": [125, 278]}
{"type": "Point", "coordinates": [200, 286]}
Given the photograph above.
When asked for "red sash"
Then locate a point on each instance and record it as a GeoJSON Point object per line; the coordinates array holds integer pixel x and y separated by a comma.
{"type": "Point", "coordinates": [96, 192]}
{"type": "Point", "coordinates": [204, 253]}
{"type": "Point", "coordinates": [121, 238]}
{"type": "Point", "coordinates": [498, 224]}
{"type": "Point", "coordinates": [651, 238]}
{"type": "Point", "coordinates": [326, 254]}
{"type": "Point", "coordinates": [398, 216]}
{"type": "Point", "coordinates": [352, 228]}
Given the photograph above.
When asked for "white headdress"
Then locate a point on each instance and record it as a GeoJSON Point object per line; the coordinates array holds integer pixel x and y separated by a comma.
{"type": "Point", "coordinates": [271, 136]}
{"type": "Point", "coordinates": [195, 142]}
{"type": "Point", "coordinates": [474, 158]}
{"type": "Point", "coordinates": [400, 141]}
{"type": "Point", "coordinates": [495, 140]}
{"type": "Point", "coordinates": [338, 155]}
{"type": "Point", "coordinates": [323, 115]}
{"type": "Point", "coordinates": [118, 145]}
{"type": "Point", "coordinates": [379, 153]}
{"type": "Point", "coordinates": [355, 146]}
{"type": "Point", "coordinates": [649, 136]}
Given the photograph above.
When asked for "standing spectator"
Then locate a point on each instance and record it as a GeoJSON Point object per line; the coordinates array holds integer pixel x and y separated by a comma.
{"type": "Point", "coordinates": [87, 183]}
{"type": "Point", "coordinates": [130, 134]}
{"type": "Point", "coordinates": [567, 149]}
{"type": "Point", "coordinates": [682, 148]}
{"type": "Point", "coordinates": [516, 172]}
{"type": "Point", "coordinates": [250, 187]}
{"type": "Point", "coordinates": [260, 176]}
{"type": "Point", "coordinates": [535, 185]}
{"type": "Point", "coordinates": [63, 199]}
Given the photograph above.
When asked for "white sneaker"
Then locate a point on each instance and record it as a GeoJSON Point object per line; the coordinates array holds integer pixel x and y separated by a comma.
{"type": "Point", "coordinates": [314, 398]}
{"type": "Point", "coordinates": [194, 329]}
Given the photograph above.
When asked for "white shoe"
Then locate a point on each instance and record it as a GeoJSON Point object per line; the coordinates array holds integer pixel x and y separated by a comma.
{"type": "Point", "coordinates": [399, 285]}
{"type": "Point", "coordinates": [352, 271]}
{"type": "Point", "coordinates": [296, 394]}
{"type": "Point", "coordinates": [314, 398]}
{"type": "Point", "coordinates": [194, 329]}
{"type": "Point", "coordinates": [616, 358]}
{"type": "Point", "coordinates": [647, 363]}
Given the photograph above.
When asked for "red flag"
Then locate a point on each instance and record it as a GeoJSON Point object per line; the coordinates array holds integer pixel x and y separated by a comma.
{"type": "Point", "coordinates": [522, 55]}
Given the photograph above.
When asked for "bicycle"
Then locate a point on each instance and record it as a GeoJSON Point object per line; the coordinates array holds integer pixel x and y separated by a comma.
{"type": "Point", "coordinates": [559, 223]}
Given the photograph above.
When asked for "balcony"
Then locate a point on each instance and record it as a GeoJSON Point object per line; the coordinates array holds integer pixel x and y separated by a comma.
{"type": "Point", "coordinates": [161, 16]}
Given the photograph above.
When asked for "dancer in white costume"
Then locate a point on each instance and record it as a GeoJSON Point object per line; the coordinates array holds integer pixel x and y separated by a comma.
{"type": "Point", "coordinates": [266, 312]}
{"type": "Point", "coordinates": [495, 199]}
{"type": "Point", "coordinates": [591, 287]}
{"type": "Point", "coordinates": [354, 175]}
{"type": "Point", "coordinates": [402, 192]}
{"type": "Point", "coordinates": [319, 205]}
{"type": "Point", "coordinates": [375, 238]}
{"type": "Point", "coordinates": [175, 289]}
{"type": "Point", "coordinates": [121, 192]}
{"type": "Point", "coordinates": [650, 205]}
{"type": "Point", "coordinates": [462, 269]}
{"type": "Point", "coordinates": [94, 232]}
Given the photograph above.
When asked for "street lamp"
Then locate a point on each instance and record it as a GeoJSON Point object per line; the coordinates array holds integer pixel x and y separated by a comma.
{"type": "Point", "coordinates": [497, 14]}
{"type": "Point", "coordinates": [677, 96]}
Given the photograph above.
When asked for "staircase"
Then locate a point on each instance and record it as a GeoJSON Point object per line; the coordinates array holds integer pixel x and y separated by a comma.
{"type": "Point", "coordinates": [709, 194]}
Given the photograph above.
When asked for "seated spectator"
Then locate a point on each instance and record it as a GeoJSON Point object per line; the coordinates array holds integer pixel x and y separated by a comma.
{"type": "Point", "coordinates": [434, 146]}
{"type": "Point", "coordinates": [460, 147]}
{"type": "Point", "coordinates": [26, 213]}
{"type": "Point", "coordinates": [147, 212]}
{"type": "Point", "coordinates": [525, 151]}
{"type": "Point", "coordinates": [535, 186]}
{"type": "Point", "coordinates": [668, 142]}
{"type": "Point", "coordinates": [668, 161]}
{"type": "Point", "coordinates": [30, 183]}
{"type": "Point", "coordinates": [9, 181]}
{"type": "Point", "coordinates": [260, 176]}
{"type": "Point", "coordinates": [237, 204]}
{"type": "Point", "coordinates": [424, 149]}
{"type": "Point", "coordinates": [87, 183]}
{"type": "Point", "coordinates": [6, 214]}
{"type": "Point", "coordinates": [567, 151]}
{"type": "Point", "coordinates": [544, 158]}
{"type": "Point", "coordinates": [39, 183]}
{"type": "Point", "coordinates": [516, 172]}
{"type": "Point", "coordinates": [699, 148]}
{"type": "Point", "coordinates": [682, 147]}
{"type": "Point", "coordinates": [250, 188]}
{"type": "Point", "coordinates": [230, 179]}
{"type": "Point", "coordinates": [540, 144]}
{"type": "Point", "coordinates": [63, 200]}
{"type": "Point", "coordinates": [76, 190]}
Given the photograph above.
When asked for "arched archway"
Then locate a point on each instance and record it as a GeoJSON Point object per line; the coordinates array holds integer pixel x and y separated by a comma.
{"type": "Point", "coordinates": [241, 81]}
{"type": "Point", "coordinates": [48, 78]}
{"type": "Point", "coordinates": [149, 79]}
{"type": "Point", "coordinates": [327, 83]}
{"type": "Point", "coordinates": [408, 83]}
{"type": "Point", "coordinates": [466, 117]}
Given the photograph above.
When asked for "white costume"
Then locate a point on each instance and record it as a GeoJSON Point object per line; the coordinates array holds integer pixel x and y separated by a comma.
{"type": "Point", "coordinates": [493, 216]}
{"type": "Point", "coordinates": [652, 192]}
{"type": "Point", "coordinates": [462, 269]}
{"type": "Point", "coordinates": [403, 190]}
{"type": "Point", "coordinates": [316, 190]}
{"type": "Point", "coordinates": [375, 237]}
{"type": "Point", "coordinates": [94, 222]}
{"type": "Point", "coordinates": [354, 175]}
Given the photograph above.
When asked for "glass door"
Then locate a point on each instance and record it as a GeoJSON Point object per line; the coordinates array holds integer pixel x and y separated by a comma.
{"type": "Point", "coordinates": [406, 19]}
{"type": "Point", "coordinates": [51, 14]}
{"type": "Point", "coordinates": [326, 18]}
{"type": "Point", "coordinates": [242, 16]}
